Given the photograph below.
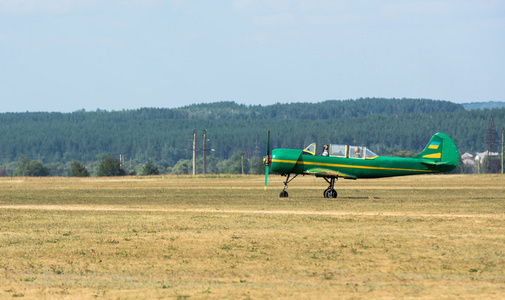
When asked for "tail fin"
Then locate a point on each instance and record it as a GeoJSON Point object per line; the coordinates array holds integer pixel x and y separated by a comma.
{"type": "Point", "coordinates": [441, 152]}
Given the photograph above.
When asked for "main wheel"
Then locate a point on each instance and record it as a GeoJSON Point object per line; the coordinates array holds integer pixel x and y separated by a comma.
{"type": "Point", "coordinates": [283, 194]}
{"type": "Point", "coordinates": [330, 193]}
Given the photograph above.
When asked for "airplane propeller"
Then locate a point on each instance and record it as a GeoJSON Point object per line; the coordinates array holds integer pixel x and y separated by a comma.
{"type": "Point", "coordinates": [267, 159]}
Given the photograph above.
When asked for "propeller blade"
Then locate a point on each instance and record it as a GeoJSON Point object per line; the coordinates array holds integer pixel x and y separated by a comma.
{"type": "Point", "coordinates": [267, 162]}
{"type": "Point", "coordinates": [266, 177]}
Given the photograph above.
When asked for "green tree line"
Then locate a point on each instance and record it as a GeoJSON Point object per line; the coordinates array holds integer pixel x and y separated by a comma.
{"type": "Point", "coordinates": [163, 136]}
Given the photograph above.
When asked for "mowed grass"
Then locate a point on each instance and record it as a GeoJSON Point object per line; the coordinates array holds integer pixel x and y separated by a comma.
{"type": "Point", "coordinates": [183, 237]}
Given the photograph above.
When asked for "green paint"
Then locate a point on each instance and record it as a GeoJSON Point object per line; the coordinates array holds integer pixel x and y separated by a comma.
{"type": "Point", "coordinates": [440, 155]}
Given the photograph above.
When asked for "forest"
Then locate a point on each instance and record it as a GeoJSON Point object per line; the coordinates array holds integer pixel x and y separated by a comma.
{"type": "Point", "coordinates": [163, 136]}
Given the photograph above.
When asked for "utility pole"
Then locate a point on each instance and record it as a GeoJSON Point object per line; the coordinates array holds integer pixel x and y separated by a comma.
{"type": "Point", "coordinates": [502, 130]}
{"type": "Point", "coordinates": [204, 152]}
{"type": "Point", "coordinates": [477, 162]}
{"type": "Point", "coordinates": [194, 152]}
{"type": "Point", "coordinates": [122, 158]}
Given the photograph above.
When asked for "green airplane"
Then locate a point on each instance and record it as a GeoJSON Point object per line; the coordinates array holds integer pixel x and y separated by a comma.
{"type": "Point", "coordinates": [353, 162]}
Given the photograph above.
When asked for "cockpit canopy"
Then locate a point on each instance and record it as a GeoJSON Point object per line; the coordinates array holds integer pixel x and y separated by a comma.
{"type": "Point", "coordinates": [348, 151]}
{"type": "Point", "coordinates": [351, 151]}
{"type": "Point", "coordinates": [311, 149]}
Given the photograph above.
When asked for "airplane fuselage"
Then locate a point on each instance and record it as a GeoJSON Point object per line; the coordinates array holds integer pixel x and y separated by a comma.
{"type": "Point", "coordinates": [285, 161]}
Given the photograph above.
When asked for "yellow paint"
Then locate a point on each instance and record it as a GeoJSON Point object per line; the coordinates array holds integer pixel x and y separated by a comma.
{"type": "Point", "coordinates": [331, 172]}
{"type": "Point", "coordinates": [434, 155]}
{"type": "Point", "coordinates": [433, 147]}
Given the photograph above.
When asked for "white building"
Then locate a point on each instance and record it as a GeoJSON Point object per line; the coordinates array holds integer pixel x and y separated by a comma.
{"type": "Point", "coordinates": [483, 155]}
{"type": "Point", "coordinates": [467, 159]}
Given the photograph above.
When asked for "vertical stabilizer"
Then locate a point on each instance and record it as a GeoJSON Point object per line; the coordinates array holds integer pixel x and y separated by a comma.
{"type": "Point", "coordinates": [440, 151]}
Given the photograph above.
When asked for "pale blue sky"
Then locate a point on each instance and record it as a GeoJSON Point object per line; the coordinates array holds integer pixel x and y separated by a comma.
{"type": "Point", "coordinates": [63, 55]}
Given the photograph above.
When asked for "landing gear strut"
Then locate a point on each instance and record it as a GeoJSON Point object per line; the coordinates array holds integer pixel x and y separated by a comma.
{"type": "Point", "coordinates": [330, 191]}
{"type": "Point", "coordinates": [284, 194]}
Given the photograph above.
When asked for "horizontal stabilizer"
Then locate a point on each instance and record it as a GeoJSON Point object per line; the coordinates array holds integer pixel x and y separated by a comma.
{"type": "Point", "coordinates": [433, 163]}
{"type": "Point", "coordinates": [321, 172]}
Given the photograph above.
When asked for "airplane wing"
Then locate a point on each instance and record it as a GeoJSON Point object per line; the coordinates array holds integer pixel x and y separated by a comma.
{"type": "Point", "coordinates": [321, 172]}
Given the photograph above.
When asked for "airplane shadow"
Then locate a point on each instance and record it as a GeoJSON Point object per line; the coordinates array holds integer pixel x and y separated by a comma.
{"type": "Point", "coordinates": [362, 198]}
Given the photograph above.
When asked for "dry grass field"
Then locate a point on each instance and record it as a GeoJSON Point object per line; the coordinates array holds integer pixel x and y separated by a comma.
{"type": "Point", "coordinates": [227, 238]}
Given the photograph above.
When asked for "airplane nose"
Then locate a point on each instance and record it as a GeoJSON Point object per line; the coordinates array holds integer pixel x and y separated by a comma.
{"type": "Point", "coordinates": [283, 161]}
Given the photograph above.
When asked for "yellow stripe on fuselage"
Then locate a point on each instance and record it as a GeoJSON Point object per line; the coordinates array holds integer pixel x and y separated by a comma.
{"type": "Point", "coordinates": [345, 166]}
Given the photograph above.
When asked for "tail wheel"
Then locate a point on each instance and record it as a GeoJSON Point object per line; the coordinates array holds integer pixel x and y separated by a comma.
{"type": "Point", "coordinates": [283, 194]}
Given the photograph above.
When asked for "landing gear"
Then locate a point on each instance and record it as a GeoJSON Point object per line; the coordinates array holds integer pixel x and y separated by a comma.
{"type": "Point", "coordinates": [330, 191]}
{"type": "Point", "coordinates": [284, 194]}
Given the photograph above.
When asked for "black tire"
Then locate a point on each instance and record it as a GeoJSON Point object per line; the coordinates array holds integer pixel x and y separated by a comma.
{"type": "Point", "coordinates": [329, 193]}
{"type": "Point", "coordinates": [283, 194]}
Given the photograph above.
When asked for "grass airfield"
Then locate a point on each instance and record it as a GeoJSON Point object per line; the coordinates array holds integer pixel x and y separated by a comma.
{"type": "Point", "coordinates": [225, 237]}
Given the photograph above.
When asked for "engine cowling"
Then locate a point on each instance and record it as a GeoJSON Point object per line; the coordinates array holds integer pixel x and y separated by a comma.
{"type": "Point", "coordinates": [283, 161]}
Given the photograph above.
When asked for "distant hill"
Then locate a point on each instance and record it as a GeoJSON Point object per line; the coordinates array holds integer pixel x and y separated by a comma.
{"type": "Point", "coordinates": [329, 109]}
{"type": "Point", "coordinates": [483, 105]}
